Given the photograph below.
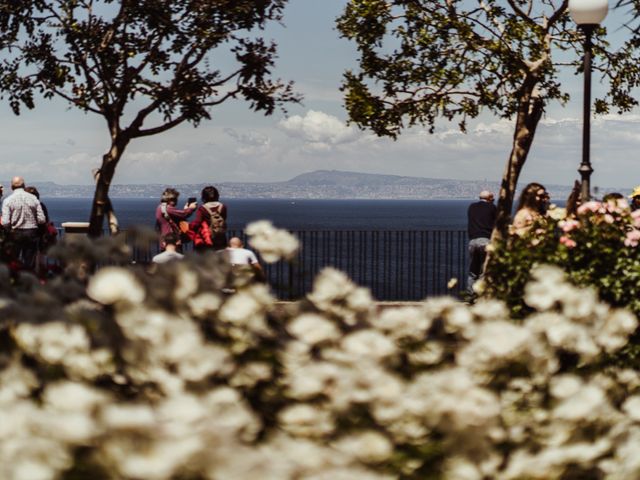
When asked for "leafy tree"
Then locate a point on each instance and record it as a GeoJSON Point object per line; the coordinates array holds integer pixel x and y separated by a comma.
{"type": "Point", "coordinates": [420, 60]}
{"type": "Point", "coordinates": [146, 66]}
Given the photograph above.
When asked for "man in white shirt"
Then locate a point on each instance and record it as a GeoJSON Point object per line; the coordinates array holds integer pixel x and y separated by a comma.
{"type": "Point", "coordinates": [243, 259]}
{"type": "Point", "coordinates": [170, 252]}
{"type": "Point", "coordinates": [21, 214]}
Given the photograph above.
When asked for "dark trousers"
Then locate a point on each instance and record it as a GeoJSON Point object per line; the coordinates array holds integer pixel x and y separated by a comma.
{"type": "Point", "coordinates": [26, 246]}
{"type": "Point", "coordinates": [477, 255]}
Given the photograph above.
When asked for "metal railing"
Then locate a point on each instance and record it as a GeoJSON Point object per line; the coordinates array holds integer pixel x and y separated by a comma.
{"type": "Point", "coordinates": [394, 265]}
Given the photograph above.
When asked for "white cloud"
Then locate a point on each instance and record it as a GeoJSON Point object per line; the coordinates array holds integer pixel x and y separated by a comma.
{"type": "Point", "coordinates": [164, 158]}
{"type": "Point", "coordinates": [320, 130]}
{"type": "Point", "coordinates": [250, 143]}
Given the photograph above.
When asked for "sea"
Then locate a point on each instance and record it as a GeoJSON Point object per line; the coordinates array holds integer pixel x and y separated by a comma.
{"type": "Point", "coordinates": [398, 215]}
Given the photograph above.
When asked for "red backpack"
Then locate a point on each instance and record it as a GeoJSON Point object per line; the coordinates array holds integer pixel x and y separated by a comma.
{"type": "Point", "coordinates": [207, 230]}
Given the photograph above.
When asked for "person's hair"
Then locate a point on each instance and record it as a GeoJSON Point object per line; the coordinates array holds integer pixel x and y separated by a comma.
{"type": "Point", "coordinates": [612, 196]}
{"type": "Point", "coordinates": [170, 239]}
{"type": "Point", "coordinates": [33, 191]}
{"type": "Point", "coordinates": [210, 194]}
{"type": "Point", "coordinates": [529, 198]}
{"type": "Point", "coordinates": [170, 195]}
{"type": "Point", "coordinates": [573, 200]}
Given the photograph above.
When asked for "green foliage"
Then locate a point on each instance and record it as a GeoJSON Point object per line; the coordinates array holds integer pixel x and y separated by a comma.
{"type": "Point", "coordinates": [423, 60]}
{"type": "Point", "coordinates": [146, 66]}
{"type": "Point", "coordinates": [102, 55]}
{"type": "Point", "coordinates": [597, 248]}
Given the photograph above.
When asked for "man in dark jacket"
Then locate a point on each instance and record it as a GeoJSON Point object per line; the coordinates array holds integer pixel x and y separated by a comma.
{"type": "Point", "coordinates": [481, 219]}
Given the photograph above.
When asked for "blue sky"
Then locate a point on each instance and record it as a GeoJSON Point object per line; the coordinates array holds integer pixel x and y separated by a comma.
{"type": "Point", "coordinates": [62, 145]}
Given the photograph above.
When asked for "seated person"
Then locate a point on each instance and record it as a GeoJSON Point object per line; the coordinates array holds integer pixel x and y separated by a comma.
{"type": "Point", "coordinates": [244, 263]}
{"type": "Point", "coordinates": [170, 253]}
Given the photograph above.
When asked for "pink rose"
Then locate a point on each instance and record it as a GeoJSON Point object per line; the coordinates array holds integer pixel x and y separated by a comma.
{"type": "Point", "coordinates": [632, 238]}
{"type": "Point", "coordinates": [568, 225]}
{"type": "Point", "coordinates": [567, 241]}
{"type": "Point", "coordinates": [592, 206]}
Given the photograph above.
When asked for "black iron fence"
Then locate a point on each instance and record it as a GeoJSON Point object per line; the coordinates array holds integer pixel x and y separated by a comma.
{"type": "Point", "coordinates": [395, 265]}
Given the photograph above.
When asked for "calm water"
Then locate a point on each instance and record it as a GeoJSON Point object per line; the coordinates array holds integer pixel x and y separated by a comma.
{"type": "Point", "coordinates": [294, 214]}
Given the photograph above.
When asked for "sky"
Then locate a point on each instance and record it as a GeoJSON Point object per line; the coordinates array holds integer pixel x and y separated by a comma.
{"type": "Point", "coordinates": [56, 143]}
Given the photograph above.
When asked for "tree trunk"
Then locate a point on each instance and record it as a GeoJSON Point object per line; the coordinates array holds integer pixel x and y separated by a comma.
{"type": "Point", "coordinates": [528, 116]}
{"type": "Point", "coordinates": [101, 206]}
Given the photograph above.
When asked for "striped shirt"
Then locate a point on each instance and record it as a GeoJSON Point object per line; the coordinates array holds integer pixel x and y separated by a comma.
{"type": "Point", "coordinates": [22, 211]}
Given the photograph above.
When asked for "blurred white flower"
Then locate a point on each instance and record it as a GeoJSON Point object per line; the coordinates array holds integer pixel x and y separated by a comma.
{"type": "Point", "coordinates": [368, 447]}
{"type": "Point", "coordinates": [632, 407]}
{"type": "Point", "coordinates": [306, 420]}
{"type": "Point", "coordinates": [403, 323]}
{"type": "Point", "coordinates": [368, 343]}
{"type": "Point", "coordinates": [312, 329]}
{"type": "Point", "coordinates": [186, 283]}
{"type": "Point", "coordinates": [272, 243]}
{"type": "Point", "coordinates": [204, 304]}
{"type": "Point", "coordinates": [115, 285]}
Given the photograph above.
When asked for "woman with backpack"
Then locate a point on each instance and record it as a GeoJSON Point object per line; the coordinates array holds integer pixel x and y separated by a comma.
{"type": "Point", "coordinates": [209, 229]}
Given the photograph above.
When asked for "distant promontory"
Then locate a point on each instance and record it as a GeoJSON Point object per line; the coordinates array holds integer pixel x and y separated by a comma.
{"type": "Point", "coordinates": [320, 184]}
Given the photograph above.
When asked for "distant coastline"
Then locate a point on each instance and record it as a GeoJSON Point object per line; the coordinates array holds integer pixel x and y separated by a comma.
{"type": "Point", "coordinates": [317, 185]}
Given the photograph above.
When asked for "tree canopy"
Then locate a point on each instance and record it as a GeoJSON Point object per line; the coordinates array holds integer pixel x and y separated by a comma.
{"type": "Point", "coordinates": [421, 60]}
{"type": "Point", "coordinates": [146, 66]}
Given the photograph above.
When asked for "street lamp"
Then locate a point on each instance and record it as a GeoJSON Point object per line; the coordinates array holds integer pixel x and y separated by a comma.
{"type": "Point", "coordinates": [587, 14]}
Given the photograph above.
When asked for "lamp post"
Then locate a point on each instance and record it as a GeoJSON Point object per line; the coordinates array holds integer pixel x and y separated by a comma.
{"type": "Point", "coordinates": [587, 14]}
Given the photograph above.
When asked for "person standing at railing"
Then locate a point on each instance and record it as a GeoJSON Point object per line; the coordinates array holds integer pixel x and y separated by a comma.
{"type": "Point", "coordinates": [22, 214]}
{"type": "Point", "coordinates": [209, 229]}
{"type": "Point", "coordinates": [481, 217]}
{"type": "Point", "coordinates": [169, 218]}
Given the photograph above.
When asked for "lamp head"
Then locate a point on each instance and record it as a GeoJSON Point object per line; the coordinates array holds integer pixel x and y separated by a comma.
{"type": "Point", "coordinates": [588, 12]}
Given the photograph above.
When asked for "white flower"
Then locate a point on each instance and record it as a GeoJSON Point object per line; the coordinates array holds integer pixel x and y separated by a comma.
{"type": "Point", "coordinates": [250, 374]}
{"type": "Point", "coordinates": [615, 331]}
{"type": "Point", "coordinates": [368, 447]}
{"type": "Point", "coordinates": [272, 243]}
{"type": "Point", "coordinates": [73, 397]}
{"type": "Point", "coordinates": [114, 285]}
{"type": "Point", "coordinates": [500, 344]}
{"type": "Point", "coordinates": [632, 407]}
{"type": "Point", "coordinates": [16, 382]}
{"type": "Point", "coordinates": [587, 404]}
{"type": "Point", "coordinates": [546, 288]}
{"type": "Point", "coordinates": [202, 361]}
{"type": "Point", "coordinates": [306, 420]}
{"type": "Point", "coordinates": [368, 344]}
{"type": "Point", "coordinates": [128, 417]}
{"type": "Point", "coordinates": [403, 322]}
{"type": "Point", "coordinates": [186, 283]}
{"type": "Point", "coordinates": [312, 378]}
{"type": "Point", "coordinates": [312, 329]}
{"type": "Point", "coordinates": [204, 304]}
{"type": "Point", "coordinates": [53, 342]}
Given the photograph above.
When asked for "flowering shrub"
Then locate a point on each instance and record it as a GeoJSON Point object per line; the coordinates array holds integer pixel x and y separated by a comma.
{"type": "Point", "coordinates": [161, 377]}
{"type": "Point", "coordinates": [598, 248]}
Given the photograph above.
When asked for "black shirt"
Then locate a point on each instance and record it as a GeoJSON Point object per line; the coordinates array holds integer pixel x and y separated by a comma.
{"type": "Point", "coordinates": [482, 218]}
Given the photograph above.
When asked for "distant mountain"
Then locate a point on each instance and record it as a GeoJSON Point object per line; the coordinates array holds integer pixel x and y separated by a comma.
{"type": "Point", "coordinates": [321, 184]}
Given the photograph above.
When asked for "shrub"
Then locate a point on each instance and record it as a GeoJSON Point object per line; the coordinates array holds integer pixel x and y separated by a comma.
{"type": "Point", "coordinates": [162, 377]}
{"type": "Point", "coordinates": [597, 248]}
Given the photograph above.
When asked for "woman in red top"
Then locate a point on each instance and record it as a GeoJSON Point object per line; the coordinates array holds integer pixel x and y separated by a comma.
{"type": "Point", "coordinates": [210, 224]}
